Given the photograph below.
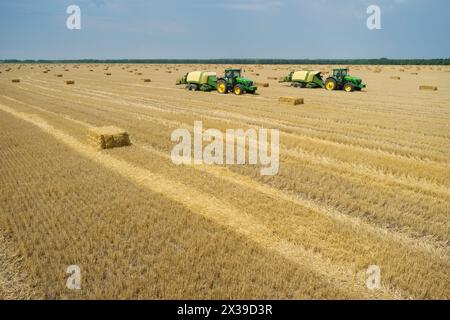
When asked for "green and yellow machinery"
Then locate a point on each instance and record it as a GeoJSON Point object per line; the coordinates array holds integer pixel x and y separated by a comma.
{"type": "Point", "coordinates": [232, 81]}
{"type": "Point", "coordinates": [341, 80]}
{"type": "Point", "coordinates": [199, 80]}
{"type": "Point", "coordinates": [305, 79]}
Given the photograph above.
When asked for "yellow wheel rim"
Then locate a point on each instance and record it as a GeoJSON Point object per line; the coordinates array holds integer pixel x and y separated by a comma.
{"type": "Point", "coordinates": [237, 90]}
{"type": "Point", "coordinates": [348, 88]}
{"type": "Point", "coordinates": [221, 88]}
{"type": "Point", "coordinates": [330, 86]}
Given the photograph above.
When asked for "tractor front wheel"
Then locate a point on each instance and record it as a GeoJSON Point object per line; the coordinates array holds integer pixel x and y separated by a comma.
{"type": "Point", "coordinates": [222, 87]}
{"type": "Point", "coordinates": [330, 84]}
{"type": "Point", "coordinates": [349, 87]}
{"type": "Point", "coordinates": [238, 90]}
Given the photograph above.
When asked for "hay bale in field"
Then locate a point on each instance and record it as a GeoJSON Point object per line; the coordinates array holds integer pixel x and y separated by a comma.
{"type": "Point", "coordinates": [377, 71]}
{"type": "Point", "coordinates": [414, 73]}
{"type": "Point", "coordinates": [139, 73]}
{"type": "Point", "coordinates": [291, 100]}
{"type": "Point", "coordinates": [70, 82]}
{"type": "Point", "coordinates": [262, 84]}
{"type": "Point", "coordinates": [395, 78]}
{"type": "Point", "coordinates": [428, 88]}
{"type": "Point", "coordinates": [59, 75]}
{"type": "Point", "coordinates": [272, 78]}
{"type": "Point", "coordinates": [108, 74]}
{"type": "Point", "coordinates": [147, 80]}
{"type": "Point", "coordinates": [108, 137]}
{"type": "Point", "coordinates": [15, 80]}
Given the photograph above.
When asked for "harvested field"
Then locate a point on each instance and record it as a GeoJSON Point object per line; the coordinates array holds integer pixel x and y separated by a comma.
{"type": "Point", "coordinates": [364, 179]}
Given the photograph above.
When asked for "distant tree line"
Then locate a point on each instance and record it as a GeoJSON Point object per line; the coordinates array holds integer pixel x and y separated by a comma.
{"type": "Point", "coordinates": [382, 61]}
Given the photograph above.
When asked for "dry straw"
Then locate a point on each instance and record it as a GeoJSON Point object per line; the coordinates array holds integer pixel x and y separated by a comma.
{"type": "Point", "coordinates": [428, 88]}
{"type": "Point", "coordinates": [15, 80]}
{"type": "Point", "coordinates": [262, 84]}
{"type": "Point", "coordinates": [291, 100]}
{"type": "Point", "coordinates": [108, 137]}
{"type": "Point", "coordinates": [395, 78]}
{"type": "Point", "coordinates": [70, 82]}
{"type": "Point", "coordinates": [147, 80]}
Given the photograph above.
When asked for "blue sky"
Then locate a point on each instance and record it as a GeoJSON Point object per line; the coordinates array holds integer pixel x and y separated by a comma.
{"type": "Point", "coordinates": [135, 29]}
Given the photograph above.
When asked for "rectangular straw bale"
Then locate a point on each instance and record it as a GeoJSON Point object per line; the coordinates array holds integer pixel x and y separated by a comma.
{"type": "Point", "coordinates": [108, 137]}
{"type": "Point", "coordinates": [429, 88]}
{"type": "Point", "coordinates": [291, 100]}
{"type": "Point", "coordinates": [15, 80]}
{"type": "Point", "coordinates": [70, 82]}
{"type": "Point", "coordinates": [262, 84]}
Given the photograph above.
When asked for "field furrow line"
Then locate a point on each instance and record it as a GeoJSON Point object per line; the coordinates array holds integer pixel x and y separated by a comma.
{"type": "Point", "coordinates": [221, 212]}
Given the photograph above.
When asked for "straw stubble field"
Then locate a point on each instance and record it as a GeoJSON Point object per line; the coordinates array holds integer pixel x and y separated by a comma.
{"type": "Point", "coordinates": [364, 180]}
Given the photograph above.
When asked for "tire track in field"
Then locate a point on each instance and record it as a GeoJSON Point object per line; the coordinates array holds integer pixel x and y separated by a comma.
{"type": "Point", "coordinates": [413, 184]}
{"type": "Point", "coordinates": [426, 244]}
{"type": "Point", "coordinates": [264, 99]}
{"type": "Point", "coordinates": [225, 116]}
{"type": "Point", "coordinates": [309, 127]}
{"type": "Point", "coordinates": [218, 211]}
{"type": "Point", "coordinates": [221, 115]}
{"type": "Point", "coordinates": [408, 183]}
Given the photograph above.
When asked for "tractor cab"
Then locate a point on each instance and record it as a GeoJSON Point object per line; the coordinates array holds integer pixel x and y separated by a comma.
{"type": "Point", "coordinates": [232, 73]}
{"type": "Point", "coordinates": [340, 73]}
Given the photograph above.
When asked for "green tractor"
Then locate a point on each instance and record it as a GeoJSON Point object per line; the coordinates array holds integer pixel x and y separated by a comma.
{"type": "Point", "coordinates": [341, 80]}
{"type": "Point", "coordinates": [232, 81]}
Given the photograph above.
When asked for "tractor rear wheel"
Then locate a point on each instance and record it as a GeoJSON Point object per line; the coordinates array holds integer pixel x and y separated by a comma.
{"type": "Point", "coordinates": [349, 87]}
{"type": "Point", "coordinates": [330, 84]}
{"type": "Point", "coordinates": [238, 90]}
{"type": "Point", "coordinates": [222, 87]}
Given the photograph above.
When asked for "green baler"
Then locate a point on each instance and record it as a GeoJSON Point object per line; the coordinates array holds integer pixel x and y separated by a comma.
{"type": "Point", "coordinates": [199, 80]}
{"type": "Point", "coordinates": [305, 79]}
